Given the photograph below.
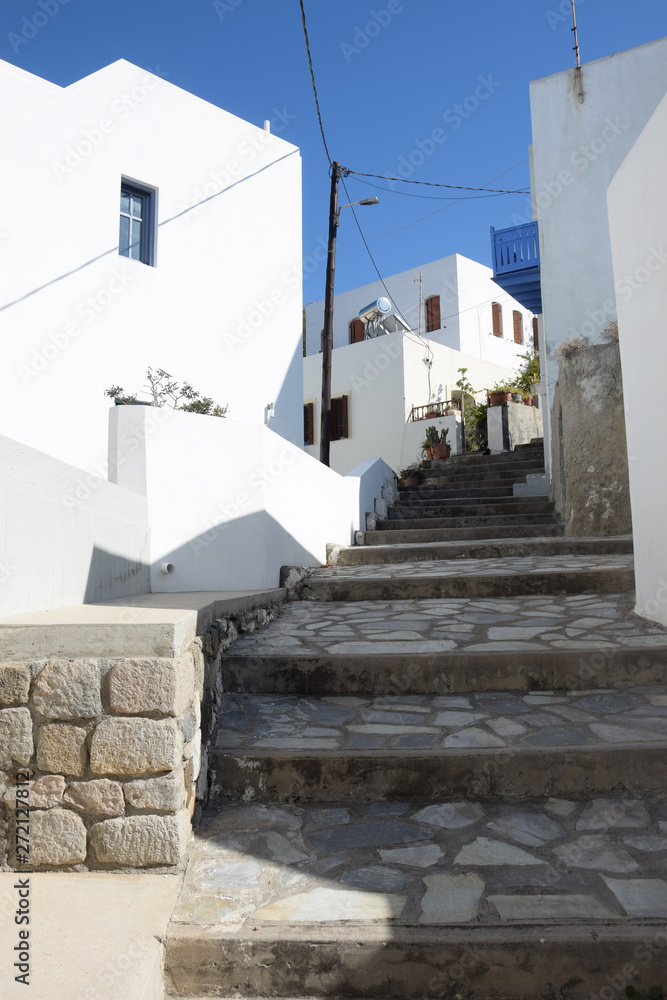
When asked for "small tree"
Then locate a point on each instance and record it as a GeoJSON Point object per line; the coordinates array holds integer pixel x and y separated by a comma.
{"type": "Point", "coordinates": [165, 392]}
{"type": "Point", "coordinates": [474, 415]}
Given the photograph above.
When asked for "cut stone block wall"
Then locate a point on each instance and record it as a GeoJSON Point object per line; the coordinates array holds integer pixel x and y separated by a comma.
{"type": "Point", "coordinates": [590, 483]}
{"type": "Point", "coordinates": [110, 754]}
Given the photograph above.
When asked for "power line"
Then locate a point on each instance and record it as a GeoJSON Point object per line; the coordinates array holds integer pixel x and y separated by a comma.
{"type": "Point", "coordinates": [454, 187]}
{"type": "Point", "coordinates": [312, 79]}
{"type": "Point", "coordinates": [430, 197]}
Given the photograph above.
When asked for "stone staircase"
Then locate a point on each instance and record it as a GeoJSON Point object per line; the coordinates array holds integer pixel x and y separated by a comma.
{"type": "Point", "coordinates": [441, 772]}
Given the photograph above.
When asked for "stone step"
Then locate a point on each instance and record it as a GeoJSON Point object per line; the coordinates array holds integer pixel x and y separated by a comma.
{"type": "Point", "coordinates": [409, 534]}
{"type": "Point", "coordinates": [469, 521]}
{"type": "Point", "coordinates": [512, 473]}
{"type": "Point", "coordinates": [486, 505]}
{"type": "Point", "coordinates": [465, 489]}
{"type": "Point", "coordinates": [290, 748]}
{"type": "Point", "coordinates": [476, 458]}
{"type": "Point", "coordinates": [363, 555]}
{"type": "Point", "coordinates": [436, 647]}
{"type": "Point", "coordinates": [414, 899]}
{"type": "Point", "coordinates": [471, 578]}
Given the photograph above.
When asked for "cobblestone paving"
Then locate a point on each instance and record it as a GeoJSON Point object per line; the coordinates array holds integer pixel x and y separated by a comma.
{"type": "Point", "coordinates": [423, 722]}
{"type": "Point", "coordinates": [430, 863]}
{"type": "Point", "coordinates": [587, 621]}
{"type": "Point", "coordinates": [510, 566]}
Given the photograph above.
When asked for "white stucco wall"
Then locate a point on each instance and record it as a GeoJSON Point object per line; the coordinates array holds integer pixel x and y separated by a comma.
{"type": "Point", "coordinates": [20, 90]}
{"type": "Point", "coordinates": [637, 201]}
{"type": "Point", "coordinates": [577, 148]}
{"type": "Point", "coordinates": [232, 502]}
{"type": "Point", "coordinates": [222, 308]}
{"type": "Point", "coordinates": [385, 377]}
{"type": "Point", "coordinates": [68, 536]}
{"type": "Point", "coordinates": [466, 291]}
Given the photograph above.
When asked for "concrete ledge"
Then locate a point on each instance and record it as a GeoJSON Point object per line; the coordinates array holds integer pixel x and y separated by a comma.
{"type": "Point", "coordinates": [92, 936]}
{"type": "Point", "coordinates": [146, 625]}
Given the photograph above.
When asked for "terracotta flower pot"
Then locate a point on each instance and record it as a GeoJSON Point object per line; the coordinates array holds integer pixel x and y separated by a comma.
{"type": "Point", "coordinates": [442, 451]}
{"type": "Point", "coordinates": [498, 398]}
{"type": "Point", "coordinates": [527, 400]}
{"type": "Point", "coordinates": [428, 454]}
{"type": "Point", "coordinates": [412, 480]}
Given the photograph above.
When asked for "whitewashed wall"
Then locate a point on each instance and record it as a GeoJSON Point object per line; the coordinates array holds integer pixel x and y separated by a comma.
{"type": "Point", "coordinates": [637, 201]}
{"type": "Point", "coordinates": [68, 536]}
{"type": "Point", "coordinates": [466, 291]}
{"type": "Point", "coordinates": [385, 378]}
{"type": "Point", "coordinates": [232, 502]}
{"type": "Point", "coordinates": [577, 148]}
{"type": "Point", "coordinates": [222, 308]}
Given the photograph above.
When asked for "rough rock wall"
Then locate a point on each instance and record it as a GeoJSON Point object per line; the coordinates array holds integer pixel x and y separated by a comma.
{"type": "Point", "coordinates": [103, 761]}
{"type": "Point", "coordinates": [589, 454]}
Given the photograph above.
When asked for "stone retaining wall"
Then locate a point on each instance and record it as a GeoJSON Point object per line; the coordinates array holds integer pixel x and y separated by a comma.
{"type": "Point", "coordinates": [112, 753]}
{"type": "Point", "coordinates": [590, 483]}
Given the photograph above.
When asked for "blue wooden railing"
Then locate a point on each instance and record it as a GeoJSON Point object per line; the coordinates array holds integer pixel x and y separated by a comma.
{"type": "Point", "coordinates": [516, 248]}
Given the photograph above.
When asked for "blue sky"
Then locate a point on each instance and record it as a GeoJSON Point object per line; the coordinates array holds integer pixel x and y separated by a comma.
{"type": "Point", "coordinates": [388, 74]}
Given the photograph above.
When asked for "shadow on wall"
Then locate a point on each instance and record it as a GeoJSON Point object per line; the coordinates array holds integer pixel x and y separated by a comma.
{"type": "Point", "coordinates": [232, 555]}
{"type": "Point", "coordinates": [112, 576]}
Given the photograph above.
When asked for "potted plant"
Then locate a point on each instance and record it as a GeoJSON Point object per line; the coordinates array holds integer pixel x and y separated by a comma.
{"type": "Point", "coordinates": [430, 441]}
{"type": "Point", "coordinates": [410, 476]}
{"type": "Point", "coordinates": [441, 449]}
{"type": "Point", "coordinates": [501, 393]}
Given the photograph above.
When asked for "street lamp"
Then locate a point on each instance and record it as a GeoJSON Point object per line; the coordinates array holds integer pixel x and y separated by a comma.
{"type": "Point", "coordinates": [327, 333]}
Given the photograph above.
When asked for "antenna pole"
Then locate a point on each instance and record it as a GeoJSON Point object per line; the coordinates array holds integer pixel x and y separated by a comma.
{"type": "Point", "coordinates": [576, 37]}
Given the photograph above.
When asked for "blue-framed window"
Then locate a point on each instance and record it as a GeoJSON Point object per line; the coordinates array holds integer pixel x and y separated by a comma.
{"type": "Point", "coordinates": [136, 238]}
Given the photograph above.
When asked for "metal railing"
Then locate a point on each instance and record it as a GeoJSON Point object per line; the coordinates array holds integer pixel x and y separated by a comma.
{"type": "Point", "coordinates": [432, 410]}
{"type": "Point", "coordinates": [516, 248]}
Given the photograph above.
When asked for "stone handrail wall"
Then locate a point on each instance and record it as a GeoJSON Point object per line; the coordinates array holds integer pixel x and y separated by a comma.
{"type": "Point", "coordinates": [113, 749]}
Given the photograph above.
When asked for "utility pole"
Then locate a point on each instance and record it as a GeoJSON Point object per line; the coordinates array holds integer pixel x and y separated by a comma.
{"type": "Point", "coordinates": [327, 333]}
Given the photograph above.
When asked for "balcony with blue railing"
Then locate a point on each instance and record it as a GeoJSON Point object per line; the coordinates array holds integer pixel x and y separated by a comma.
{"type": "Point", "coordinates": [516, 263]}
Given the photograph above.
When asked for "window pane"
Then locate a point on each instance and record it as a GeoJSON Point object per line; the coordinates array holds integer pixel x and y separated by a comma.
{"type": "Point", "coordinates": [124, 202]}
{"type": "Point", "coordinates": [135, 248]}
{"type": "Point", "coordinates": [124, 239]}
{"type": "Point", "coordinates": [137, 206]}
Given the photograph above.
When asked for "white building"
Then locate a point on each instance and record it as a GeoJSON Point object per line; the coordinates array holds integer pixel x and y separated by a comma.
{"type": "Point", "coordinates": [462, 308]}
{"type": "Point", "coordinates": [583, 127]}
{"type": "Point", "coordinates": [210, 290]}
{"type": "Point", "coordinates": [144, 227]}
{"type": "Point", "coordinates": [637, 203]}
{"type": "Point", "coordinates": [380, 392]}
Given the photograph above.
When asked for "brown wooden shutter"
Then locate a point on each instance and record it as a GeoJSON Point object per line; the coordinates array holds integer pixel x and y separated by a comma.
{"type": "Point", "coordinates": [497, 314]}
{"type": "Point", "coordinates": [308, 423]}
{"type": "Point", "coordinates": [536, 336]}
{"type": "Point", "coordinates": [334, 426]}
{"type": "Point", "coordinates": [339, 418]}
{"type": "Point", "coordinates": [517, 319]}
{"type": "Point", "coordinates": [432, 313]}
{"type": "Point", "coordinates": [356, 328]}
{"type": "Point", "coordinates": [344, 418]}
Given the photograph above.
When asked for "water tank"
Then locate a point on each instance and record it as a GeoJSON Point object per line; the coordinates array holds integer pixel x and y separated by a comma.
{"type": "Point", "coordinates": [380, 307]}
